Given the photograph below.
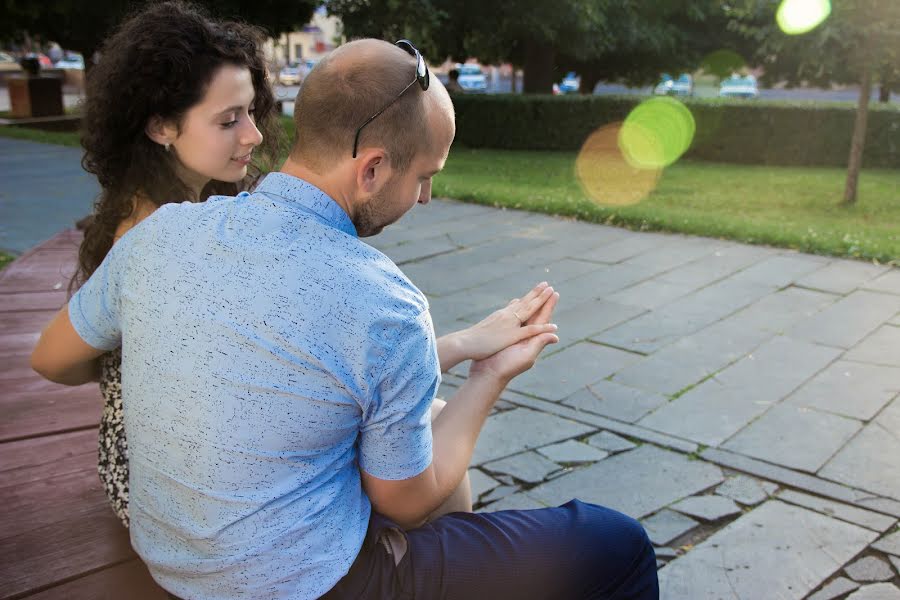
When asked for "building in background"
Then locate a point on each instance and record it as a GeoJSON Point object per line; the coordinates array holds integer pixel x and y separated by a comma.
{"type": "Point", "coordinates": [315, 39]}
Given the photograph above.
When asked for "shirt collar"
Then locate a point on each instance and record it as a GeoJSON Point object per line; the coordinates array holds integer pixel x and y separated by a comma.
{"type": "Point", "coordinates": [309, 197]}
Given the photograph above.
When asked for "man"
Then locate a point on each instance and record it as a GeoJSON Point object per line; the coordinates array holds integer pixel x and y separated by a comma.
{"type": "Point", "coordinates": [278, 377]}
{"type": "Point", "coordinates": [453, 85]}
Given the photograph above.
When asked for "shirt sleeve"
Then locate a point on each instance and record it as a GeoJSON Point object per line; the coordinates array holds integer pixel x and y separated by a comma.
{"type": "Point", "coordinates": [94, 309]}
{"type": "Point", "coordinates": [395, 437]}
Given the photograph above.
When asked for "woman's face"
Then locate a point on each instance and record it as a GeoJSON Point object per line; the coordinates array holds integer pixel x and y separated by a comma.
{"type": "Point", "coordinates": [219, 133]}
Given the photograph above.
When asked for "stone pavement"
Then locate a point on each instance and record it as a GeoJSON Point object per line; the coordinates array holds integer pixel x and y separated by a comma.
{"type": "Point", "coordinates": [742, 401]}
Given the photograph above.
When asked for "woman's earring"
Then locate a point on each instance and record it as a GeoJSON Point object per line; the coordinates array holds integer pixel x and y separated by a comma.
{"type": "Point", "coordinates": [167, 146]}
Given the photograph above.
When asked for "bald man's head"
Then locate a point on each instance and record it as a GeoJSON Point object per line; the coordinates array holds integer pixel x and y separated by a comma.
{"type": "Point", "coordinates": [353, 83]}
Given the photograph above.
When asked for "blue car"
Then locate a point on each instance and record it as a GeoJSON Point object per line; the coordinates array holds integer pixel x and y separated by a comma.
{"type": "Point", "coordinates": [571, 83]}
{"type": "Point", "coordinates": [472, 79]}
{"type": "Point", "coordinates": [683, 86]}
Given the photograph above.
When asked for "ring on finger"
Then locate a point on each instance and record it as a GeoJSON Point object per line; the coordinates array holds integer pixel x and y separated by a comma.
{"type": "Point", "coordinates": [521, 321]}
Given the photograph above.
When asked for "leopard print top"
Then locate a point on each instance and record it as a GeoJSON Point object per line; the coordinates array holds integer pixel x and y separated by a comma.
{"type": "Point", "coordinates": [113, 451]}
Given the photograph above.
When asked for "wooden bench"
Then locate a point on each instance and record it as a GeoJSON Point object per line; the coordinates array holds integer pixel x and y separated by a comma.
{"type": "Point", "coordinates": [58, 537]}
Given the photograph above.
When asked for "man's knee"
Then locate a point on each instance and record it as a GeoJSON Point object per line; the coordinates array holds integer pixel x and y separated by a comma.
{"type": "Point", "coordinates": [610, 530]}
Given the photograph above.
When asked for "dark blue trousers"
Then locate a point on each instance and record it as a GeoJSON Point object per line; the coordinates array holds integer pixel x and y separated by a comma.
{"type": "Point", "coordinates": [576, 551]}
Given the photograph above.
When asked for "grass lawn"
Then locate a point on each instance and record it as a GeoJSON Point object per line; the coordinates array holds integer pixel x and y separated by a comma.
{"type": "Point", "coordinates": [5, 259]}
{"type": "Point", "coordinates": [791, 207]}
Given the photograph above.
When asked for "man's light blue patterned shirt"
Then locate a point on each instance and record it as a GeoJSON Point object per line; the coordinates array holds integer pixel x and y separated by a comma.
{"type": "Point", "coordinates": [268, 354]}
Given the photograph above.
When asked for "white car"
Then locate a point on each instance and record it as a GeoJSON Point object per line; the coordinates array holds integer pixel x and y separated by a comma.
{"type": "Point", "coordinates": [739, 87]}
{"type": "Point", "coordinates": [472, 79]}
{"type": "Point", "coordinates": [71, 61]}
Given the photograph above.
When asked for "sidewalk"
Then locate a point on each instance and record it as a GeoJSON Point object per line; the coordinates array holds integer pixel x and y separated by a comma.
{"type": "Point", "coordinates": [742, 401]}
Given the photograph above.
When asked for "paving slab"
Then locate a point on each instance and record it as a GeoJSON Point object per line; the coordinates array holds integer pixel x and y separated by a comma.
{"type": "Point", "coordinates": [521, 429]}
{"type": "Point", "coordinates": [651, 294]}
{"type": "Point", "coordinates": [869, 461]}
{"type": "Point", "coordinates": [600, 283]}
{"type": "Point", "coordinates": [849, 388]}
{"type": "Point", "coordinates": [651, 331]}
{"type": "Point", "coordinates": [834, 589]}
{"type": "Point", "coordinates": [627, 247]}
{"type": "Point", "coordinates": [774, 551]}
{"type": "Point", "coordinates": [420, 249]}
{"type": "Point", "coordinates": [876, 591]}
{"type": "Point", "coordinates": [519, 501]}
{"type": "Point", "coordinates": [880, 348]}
{"type": "Point", "coordinates": [529, 467]}
{"type": "Point", "coordinates": [810, 483]}
{"type": "Point", "coordinates": [889, 543]}
{"type": "Point", "coordinates": [888, 282]}
{"type": "Point", "coordinates": [562, 374]}
{"type": "Point", "coordinates": [667, 525]}
{"type": "Point", "coordinates": [781, 270]}
{"type": "Point", "coordinates": [895, 560]}
{"type": "Point", "coordinates": [841, 276]}
{"type": "Point", "coordinates": [722, 263]}
{"type": "Point", "coordinates": [721, 406]}
{"type": "Point", "coordinates": [794, 436]}
{"type": "Point", "coordinates": [845, 323]}
{"type": "Point", "coordinates": [499, 493]}
{"type": "Point", "coordinates": [869, 569]}
{"type": "Point", "coordinates": [589, 319]}
{"type": "Point", "coordinates": [743, 489]}
{"type": "Point", "coordinates": [782, 310]}
{"type": "Point", "coordinates": [692, 358]}
{"type": "Point", "coordinates": [481, 483]}
{"type": "Point", "coordinates": [707, 508]}
{"type": "Point", "coordinates": [616, 401]}
{"type": "Point", "coordinates": [860, 516]}
{"type": "Point", "coordinates": [571, 451]}
{"type": "Point", "coordinates": [610, 442]}
{"type": "Point", "coordinates": [645, 480]}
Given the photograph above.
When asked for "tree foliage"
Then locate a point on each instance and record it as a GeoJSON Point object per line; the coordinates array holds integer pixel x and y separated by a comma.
{"type": "Point", "coordinates": [631, 41]}
{"type": "Point", "coordinates": [82, 26]}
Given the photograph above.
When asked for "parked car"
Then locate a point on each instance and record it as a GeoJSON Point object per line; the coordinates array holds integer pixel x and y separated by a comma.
{"type": "Point", "coordinates": [472, 79]}
{"type": "Point", "coordinates": [71, 60]}
{"type": "Point", "coordinates": [739, 87]}
{"type": "Point", "coordinates": [295, 73]}
{"type": "Point", "coordinates": [570, 84]}
{"type": "Point", "coordinates": [8, 64]}
{"type": "Point", "coordinates": [683, 86]}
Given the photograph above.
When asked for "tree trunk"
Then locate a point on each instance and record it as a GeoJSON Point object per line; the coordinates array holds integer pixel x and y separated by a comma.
{"type": "Point", "coordinates": [538, 70]}
{"type": "Point", "coordinates": [859, 136]}
{"type": "Point", "coordinates": [884, 92]}
{"type": "Point", "coordinates": [514, 79]}
{"type": "Point", "coordinates": [590, 77]}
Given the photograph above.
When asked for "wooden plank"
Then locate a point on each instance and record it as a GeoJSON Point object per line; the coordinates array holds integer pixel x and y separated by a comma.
{"type": "Point", "coordinates": [62, 551]}
{"type": "Point", "coordinates": [25, 321]}
{"type": "Point", "coordinates": [129, 580]}
{"type": "Point", "coordinates": [34, 459]}
{"type": "Point", "coordinates": [28, 414]}
{"type": "Point", "coordinates": [17, 301]}
{"type": "Point", "coordinates": [48, 501]}
{"type": "Point", "coordinates": [17, 343]}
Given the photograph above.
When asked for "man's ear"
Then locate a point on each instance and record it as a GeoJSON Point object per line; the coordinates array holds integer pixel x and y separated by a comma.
{"type": "Point", "coordinates": [161, 131]}
{"type": "Point", "coordinates": [373, 171]}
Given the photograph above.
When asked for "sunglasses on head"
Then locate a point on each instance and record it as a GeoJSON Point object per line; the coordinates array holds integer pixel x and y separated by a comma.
{"type": "Point", "coordinates": [423, 78]}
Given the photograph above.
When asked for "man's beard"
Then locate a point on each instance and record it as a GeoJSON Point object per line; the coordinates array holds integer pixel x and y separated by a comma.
{"type": "Point", "coordinates": [370, 217]}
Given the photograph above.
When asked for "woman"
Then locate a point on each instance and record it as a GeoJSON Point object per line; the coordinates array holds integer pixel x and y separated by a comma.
{"type": "Point", "coordinates": [179, 108]}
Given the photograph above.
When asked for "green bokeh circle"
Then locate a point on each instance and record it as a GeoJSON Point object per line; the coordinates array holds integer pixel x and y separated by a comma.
{"type": "Point", "coordinates": [656, 133]}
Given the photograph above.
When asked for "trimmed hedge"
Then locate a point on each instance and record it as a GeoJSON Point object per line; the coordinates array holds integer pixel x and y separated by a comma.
{"type": "Point", "coordinates": [731, 131]}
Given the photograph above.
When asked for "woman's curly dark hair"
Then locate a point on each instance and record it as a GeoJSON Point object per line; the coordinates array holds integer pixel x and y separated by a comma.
{"type": "Point", "coordinates": [160, 62]}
